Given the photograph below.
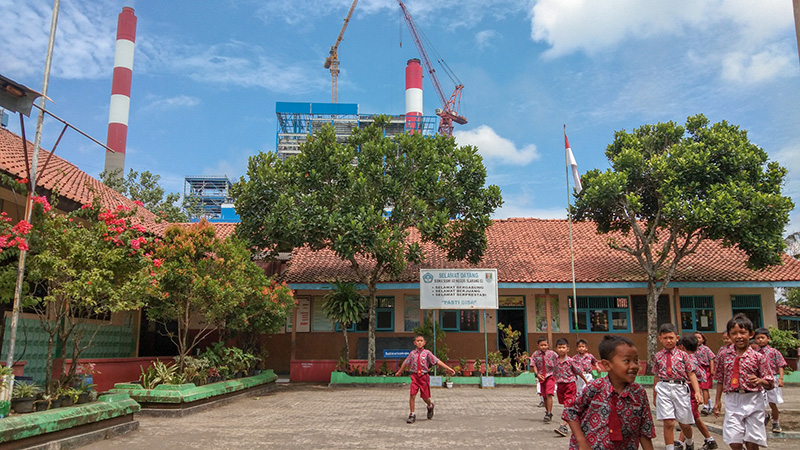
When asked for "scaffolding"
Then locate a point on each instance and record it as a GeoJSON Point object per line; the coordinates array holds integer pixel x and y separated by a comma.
{"type": "Point", "coordinates": [296, 121]}
{"type": "Point", "coordinates": [211, 192]}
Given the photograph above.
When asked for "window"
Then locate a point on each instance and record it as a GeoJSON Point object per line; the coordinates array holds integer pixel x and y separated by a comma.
{"type": "Point", "coordinates": [384, 317]}
{"type": "Point", "coordinates": [411, 312]}
{"type": "Point", "coordinates": [459, 320]}
{"type": "Point", "coordinates": [750, 305]}
{"type": "Point", "coordinates": [600, 314]}
{"type": "Point", "coordinates": [320, 320]}
{"type": "Point", "coordinates": [697, 313]}
{"type": "Point", "coordinates": [639, 311]}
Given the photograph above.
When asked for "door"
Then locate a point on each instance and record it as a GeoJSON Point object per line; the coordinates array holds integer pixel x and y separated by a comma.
{"type": "Point", "coordinates": [516, 318]}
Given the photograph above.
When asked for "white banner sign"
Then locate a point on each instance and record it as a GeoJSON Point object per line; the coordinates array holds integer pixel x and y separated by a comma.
{"type": "Point", "coordinates": [458, 288]}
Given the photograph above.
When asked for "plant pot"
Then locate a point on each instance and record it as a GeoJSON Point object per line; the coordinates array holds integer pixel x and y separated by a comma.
{"type": "Point", "coordinates": [448, 384]}
{"type": "Point", "coordinates": [66, 401]}
{"type": "Point", "coordinates": [55, 403]}
{"type": "Point", "coordinates": [83, 398]}
{"type": "Point", "coordinates": [466, 373]}
{"type": "Point", "coordinates": [42, 405]}
{"type": "Point", "coordinates": [22, 405]}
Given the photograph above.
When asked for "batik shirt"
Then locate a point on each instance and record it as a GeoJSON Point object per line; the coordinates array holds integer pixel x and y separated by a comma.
{"type": "Point", "coordinates": [593, 411]}
{"type": "Point", "coordinates": [586, 360]}
{"type": "Point", "coordinates": [751, 362]}
{"type": "Point", "coordinates": [544, 362]}
{"type": "Point", "coordinates": [701, 374]}
{"type": "Point", "coordinates": [682, 364]}
{"type": "Point", "coordinates": [567, 370]}
{"type": "Point", "coordinates": [704, 356]}
{"type": "Point", "coordinates": [420, 361]}
{"type": "Point", "coordinates": [774, 358]}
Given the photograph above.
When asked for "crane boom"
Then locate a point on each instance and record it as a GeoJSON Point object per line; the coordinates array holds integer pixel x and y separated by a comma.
{"type": "Point", "coordinates": [449, 111]}
{"type": "Point", "coordinates": [332, 61]}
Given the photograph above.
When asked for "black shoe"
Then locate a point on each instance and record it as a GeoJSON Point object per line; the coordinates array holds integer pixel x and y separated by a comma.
{"type": "Point", "coordinates": [562, 430]}
{"type": "Point", "coordinates": [411, 418]}
{"type": "Point", "coordinates": [548, 417]}
{"type": "Point", "coordinates": [678, 445]}
{"type": "Point", "coordinates": [776, 427]}
{"type": "Point", "coordinates": [710, 445]}
{"type": "Point", "coordinates": [541, 404]}
{"type": "Point", "coordinates": [430, 412]}
{"type": "Point", "coordinates": [689, 447]}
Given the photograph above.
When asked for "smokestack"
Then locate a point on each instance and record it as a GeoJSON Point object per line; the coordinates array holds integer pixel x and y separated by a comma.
{"type": "Point", "coordinates": [121, 91]}
{"type": "Point", "coordinates": [413, 96]}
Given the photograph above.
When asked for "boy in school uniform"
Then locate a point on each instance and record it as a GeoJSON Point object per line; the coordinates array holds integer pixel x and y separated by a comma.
{"type": "Point", "coordinates": [543, 363]}
{"type": "Point", "coordinates": [689, 344]}
{"type": "Point", "coordinates": [613, 411]}
{"type": "Point", "coordinates": [566, 372]}
{"type": "Point", "coordinates": [774, 396]}
{"type": "Point", "coordinates": [674, 369]}
{"type": "Point", "coordinates": [742, 373]}
{"type": "Point", "coordinates": [705, 359]}
{"type": "Point", "coordinates": [419, 361]}
{"type": "Point", "coordinates": [587, 361]}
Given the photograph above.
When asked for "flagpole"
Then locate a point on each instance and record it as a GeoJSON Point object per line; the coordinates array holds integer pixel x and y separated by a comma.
{"type": "Point", "coordinates": [571, 247]}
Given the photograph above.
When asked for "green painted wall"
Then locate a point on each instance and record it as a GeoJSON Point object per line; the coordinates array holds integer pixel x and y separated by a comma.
{"type": "Point", "coordinates": [112, 341]}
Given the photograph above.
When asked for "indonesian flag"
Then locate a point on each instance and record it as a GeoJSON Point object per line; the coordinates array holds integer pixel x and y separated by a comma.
{"type": "Point", "coordinates": [571, 163]}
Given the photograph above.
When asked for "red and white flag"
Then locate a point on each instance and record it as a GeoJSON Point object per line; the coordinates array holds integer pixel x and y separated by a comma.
{"type": "Point", "coordinates": [571, 163]}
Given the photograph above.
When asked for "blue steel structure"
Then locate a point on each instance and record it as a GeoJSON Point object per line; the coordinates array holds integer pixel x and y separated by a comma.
{"type": "Point", "coordinates": [212, 192]}
{"type": "Point", "coordinates": [298, 120]}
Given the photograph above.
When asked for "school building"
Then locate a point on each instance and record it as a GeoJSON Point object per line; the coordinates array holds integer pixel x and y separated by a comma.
{"type": "Point", "coordinates": [532, 258]}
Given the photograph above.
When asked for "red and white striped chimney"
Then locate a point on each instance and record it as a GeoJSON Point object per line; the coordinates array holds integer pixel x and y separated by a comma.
{"type": "Point", "coordinates": [413, 96]}
{"type": "Point", "coordinates": [121, 91]}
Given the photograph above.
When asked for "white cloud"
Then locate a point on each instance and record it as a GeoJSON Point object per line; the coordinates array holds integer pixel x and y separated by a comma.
{"type": "Point", "coordinates": [772, 62]}
{"type": "Point", "coordinates": [485, 38]}
{"type": "Point", "coordinates": [789, 157]}
{"type": "Point", "coordinates": [176, 102]}
{"type": "Point", "coordinates": [492, 146]}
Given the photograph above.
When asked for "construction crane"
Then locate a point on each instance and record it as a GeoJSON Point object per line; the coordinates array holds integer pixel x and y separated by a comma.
{"type": "Point", "coordinates": [332, 61]}
{"type": "Point", "coordinates": [449, 111]}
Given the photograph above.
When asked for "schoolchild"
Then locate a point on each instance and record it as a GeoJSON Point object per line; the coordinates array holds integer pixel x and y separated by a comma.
{"type": "Point", "coordinates": [588, 363]}
{"type": "Point", "coordinates": [613, 411]}
{"type": "Point", "coordinates": [419, 361]}
{"type": "Point", "coordinates": [742, 374]}
{"type": "Point", "coordinates": [705, 359]}
{"type": "Point", "coordinates": [774, 396]}
{"type": "Point", "coordinates": [543, 363]}
{"type": "Point", "coordinates": [566, 372]}
{"type": "Point", "coordinates": [674, 370]}
{"type": "Point", "coordinates": [688, 344]}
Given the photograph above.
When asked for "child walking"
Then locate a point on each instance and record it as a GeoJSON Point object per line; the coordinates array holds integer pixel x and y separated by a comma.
{"type": "Point", "coordinates": [774, 396]}
{"type": "Point", "coordinates": [742, 373]}
{"type": "Point", "coordinates": [419, 361]}
{"type": "Point", "coordinates": [705, 359]}
{"type": "Point", "coordinates": [543, 363]}
{"type": "Point", "coordinates": [613, 411]}
{"type": "Point", "coordinates": [587, 361]}
{"type": "Point", "coordinates": [688, 344]}
{"type": "Point", "coordinates": [674, 369]}
{"type": "Point", "coordinates": [566, 372]}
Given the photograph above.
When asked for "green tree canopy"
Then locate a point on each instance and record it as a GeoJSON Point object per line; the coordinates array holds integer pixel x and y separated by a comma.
{"type": "Point", "coordinates": [671, 187]}
{"type": "Point", "coordinates": [145, 188]}
{"type": "Point", "coordinates": [360, 199]}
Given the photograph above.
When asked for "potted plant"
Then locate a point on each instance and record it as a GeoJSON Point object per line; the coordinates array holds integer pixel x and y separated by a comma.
{"type": "Point", "coordinates": [23, 396]}
{"type": "Point", "coordinates": [464, 368]}
{"type": "Point", "coordinates": [85, 393]}
{"type": "Point", "coordinates": [68, 396]}
{"type": "Point", "coordinates": [448, 382]}
{"type": "Point", "coordinates": [47, 401]}
{"type": "Point", "coordinates": [478, 366]}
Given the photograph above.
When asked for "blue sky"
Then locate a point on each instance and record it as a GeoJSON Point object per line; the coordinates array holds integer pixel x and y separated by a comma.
{"type": "Point", "coordinates": [207, 76]}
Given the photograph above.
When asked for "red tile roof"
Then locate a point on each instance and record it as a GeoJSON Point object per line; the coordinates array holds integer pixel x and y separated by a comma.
{"type": "Point", "coordinates": [223, 229]}
{"type": "Point", "coordinates": [537, 251]}
{"type": "Point", "coordinates": [72, 183]}
{"type": "Point", "coordinates": [787, 311]}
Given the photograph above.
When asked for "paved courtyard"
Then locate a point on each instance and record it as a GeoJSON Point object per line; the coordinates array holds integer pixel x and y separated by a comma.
{"type": "Point", "coordinates": [312, 416]}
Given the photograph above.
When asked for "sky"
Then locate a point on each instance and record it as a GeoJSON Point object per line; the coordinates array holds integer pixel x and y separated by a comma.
{"type": "Point", "coordinates": [207, 75]}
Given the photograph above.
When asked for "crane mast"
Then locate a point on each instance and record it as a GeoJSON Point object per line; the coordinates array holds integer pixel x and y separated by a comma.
{"type": "Point", "coordinates": [449, 111]}
{"type": "Point", "coordinates": [332, 61]}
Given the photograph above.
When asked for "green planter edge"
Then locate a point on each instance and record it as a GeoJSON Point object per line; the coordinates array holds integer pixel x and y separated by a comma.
{"type": "Point", "coordinates": [187, 393]}
{"type": "Point", "coordinates": [22, 426]}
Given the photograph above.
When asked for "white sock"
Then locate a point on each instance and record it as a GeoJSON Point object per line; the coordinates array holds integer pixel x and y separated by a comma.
{"type": "Point", "coordinates": [670, 447]}
{"type": "Point", "coordinates": [710, 439]}
{"type": "Point", "coordinates": [413, 414]}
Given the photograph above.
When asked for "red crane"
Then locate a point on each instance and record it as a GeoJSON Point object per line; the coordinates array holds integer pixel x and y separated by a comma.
{"type": "Point", "coordinates": [449, 111]}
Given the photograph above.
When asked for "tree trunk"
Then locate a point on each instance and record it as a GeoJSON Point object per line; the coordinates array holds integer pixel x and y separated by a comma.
{"type": "Point", "coordinates": [653, 292]}
{"type": "Point", "coordinates": [346, 346]}
{"type": "Point", "coordinates": [373, 305]}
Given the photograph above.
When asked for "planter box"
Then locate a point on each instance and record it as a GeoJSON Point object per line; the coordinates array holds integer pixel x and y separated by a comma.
{"type": "Point", "coordinates": [183, 397]}
{"type": "Point", "coordinates": [116, 370]}
{"type": "Point", "coordinates": [109, 415]}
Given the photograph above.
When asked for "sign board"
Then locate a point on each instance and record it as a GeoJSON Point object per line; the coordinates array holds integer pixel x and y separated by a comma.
{"type": "Point", "coordinates": [458, 288]}
{"type": "Point", "coordinates": [303, 315]}
{"type": "Point", "coordinates": [395, 354]}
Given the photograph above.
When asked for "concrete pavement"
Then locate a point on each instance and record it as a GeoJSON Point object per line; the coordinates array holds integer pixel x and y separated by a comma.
{"type": "Point", "coordinates": [314, 416]}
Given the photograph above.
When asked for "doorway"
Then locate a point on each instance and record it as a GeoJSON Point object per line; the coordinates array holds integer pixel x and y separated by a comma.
{"type": "Point", "coordinates": [516, 318]}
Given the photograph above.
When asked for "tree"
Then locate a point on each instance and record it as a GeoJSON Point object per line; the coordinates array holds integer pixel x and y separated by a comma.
{"type": "Point", "coordinates": [199, 276]}
{"type": "Point", "coordinates": [345, 306]}
{"type": "Point", "coordinates": [362, 198]}
{"type": "Point", "coordinates": [670, 188]}
{"type": "Point", "coordinates": [82, 265]}
{"type": "Point", "coordinates": [144, 187]}
{"type": "Point", "coordinates": [791, 296]}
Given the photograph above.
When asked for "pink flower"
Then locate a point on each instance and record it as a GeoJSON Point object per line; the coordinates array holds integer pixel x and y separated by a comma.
{"type": "Point", "coordinates": [43, 200]}
{"type": "Point", "coordinates": [157, 262]}
{"type": "Point", "coordinates": [86, 206]}
{"type": "Point", "coordinates": [138, 203]}
{"type": "Point", "coordinates": [22, 227]}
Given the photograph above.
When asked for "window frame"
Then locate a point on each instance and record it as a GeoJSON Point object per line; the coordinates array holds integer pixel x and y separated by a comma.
{"type": "Point", "coordinates": [459, 312]}
{"type": "Point", "coordinates": [743, 300]}
{"type": "Point", "coordinates": [354, 327]}
{"type": "Point", "coordinates": [689, 303]}
{"type": "Point", "coordinates": [587, 304]}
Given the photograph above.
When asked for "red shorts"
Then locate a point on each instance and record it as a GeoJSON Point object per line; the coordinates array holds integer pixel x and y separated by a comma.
{"type": "Point", "coordinates": [695, 408]}
{"type": "Point", "coordinates": [709, 382]}
{"type": "Point", "coordinates": [421, 383]}
{"type": "Point", "coordinates": [547, 387]}
{"type": "Point", "coordinates": [566, 393]}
